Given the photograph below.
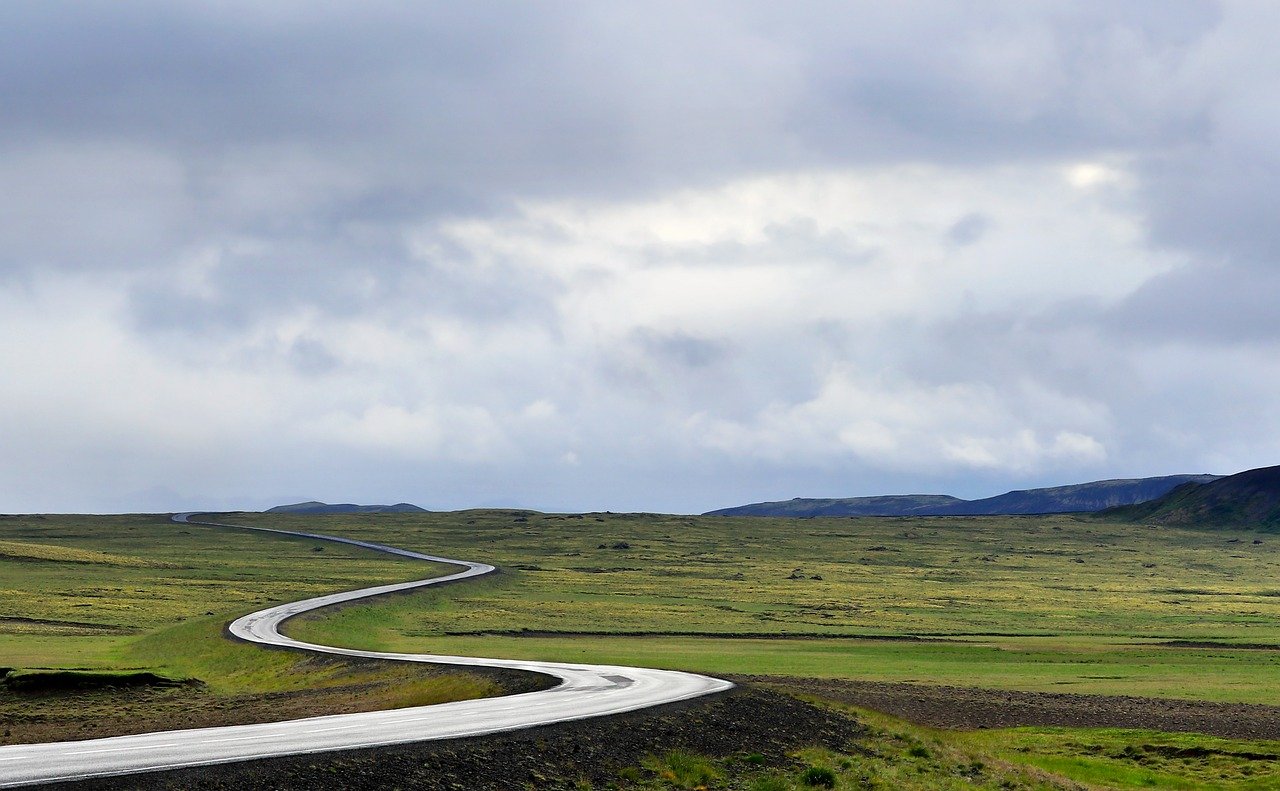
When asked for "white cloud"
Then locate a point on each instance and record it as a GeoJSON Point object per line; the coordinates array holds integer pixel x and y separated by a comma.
{"type": "Point", "coordinates": [906, 426]}
{"type": "Point", "coordinates": [724, 258]}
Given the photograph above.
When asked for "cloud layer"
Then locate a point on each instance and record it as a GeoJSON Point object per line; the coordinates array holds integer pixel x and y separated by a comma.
{"type": "Point", "coordinates": [659, 256]}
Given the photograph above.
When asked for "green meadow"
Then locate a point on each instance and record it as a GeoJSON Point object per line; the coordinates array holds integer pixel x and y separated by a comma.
{"type": "Point", "coordinates": [1036, 603]}
{"type": "Point", "coordinates": [1046, 604]}
{"type": "Point", "coordinates": [93, 591]}
{"type": "Point", "coordinates": [109, 595]}
{"type": "Point", "coordinates": [979, 576]}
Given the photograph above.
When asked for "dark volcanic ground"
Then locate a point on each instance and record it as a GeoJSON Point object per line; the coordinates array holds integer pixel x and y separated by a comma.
{"type": "Point", "coordinates": [970, 708]}
{"type": "Point", "coordinates": [743, 720]}
{"type": "Point", "coordinates": [749, 719]}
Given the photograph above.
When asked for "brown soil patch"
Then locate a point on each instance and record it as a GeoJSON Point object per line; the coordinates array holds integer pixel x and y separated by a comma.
{"type": "Point", "coordinates": [971, 708]}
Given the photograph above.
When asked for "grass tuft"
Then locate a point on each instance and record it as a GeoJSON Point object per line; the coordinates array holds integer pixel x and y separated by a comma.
{"type": "Point", "coordinates": [818, 777]}
{"type": "Point", "coordinates": [683, 770]}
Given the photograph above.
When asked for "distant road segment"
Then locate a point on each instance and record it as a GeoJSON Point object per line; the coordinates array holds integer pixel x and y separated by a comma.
{"type": "Point", "coordinates": [583, 691]}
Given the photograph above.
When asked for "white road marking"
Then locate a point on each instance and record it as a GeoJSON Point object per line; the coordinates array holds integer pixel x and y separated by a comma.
{"type": "Point", "coordinates": [124, 749]}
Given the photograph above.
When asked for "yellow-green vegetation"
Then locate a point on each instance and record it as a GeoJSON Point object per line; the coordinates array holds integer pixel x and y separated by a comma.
{"type": "Point", "coordinates": [25, 550]}
{"type": "Point", "coordinates": [105, 581]}
{"type": "Point", "coordinates": [683, 770]}
{"type": "Point", "coordinates": [1095, 666]}
{"type": "Point", "coordinates": [1062, 603]}
{"type": "Point", "coordinates": [931, 576]}
{"type": "Point", "coordinates": [129, 593]}
{"type": "Point", "coordinates": [897, 755]}
{"type": "Point", "coordinates": [1056, 603]}
{"type": "Point", "coordinates": [1132, 758]}
{"type": "Point", "coordinates": [197, 649]}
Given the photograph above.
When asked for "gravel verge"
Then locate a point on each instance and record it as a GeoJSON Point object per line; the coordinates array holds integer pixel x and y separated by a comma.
{"type": "Point", "coordinates": [743, 720]}
{"type": "Point", "coordinates": [972, 708]}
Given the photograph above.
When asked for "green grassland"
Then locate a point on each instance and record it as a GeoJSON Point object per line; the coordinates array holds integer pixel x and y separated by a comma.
{"type": "Point", "coordinates": [934, 576]}
{"type": "Point", "coordinates": [1059, 603]}
{"type": "Point", "coordinates": [1001, 602]}
{"type": "Point", "coordinates": [93, 587]}
{"type": "Point", "coordinates": [122, 593]}
{"type": "Point", "coordinates": [1077, 666]}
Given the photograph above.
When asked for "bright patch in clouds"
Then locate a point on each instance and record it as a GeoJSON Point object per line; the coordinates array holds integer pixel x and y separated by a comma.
{"type": "Point", "coordinates": [758, 266]}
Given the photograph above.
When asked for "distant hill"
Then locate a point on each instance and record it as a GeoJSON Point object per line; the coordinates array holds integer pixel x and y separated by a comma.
{"type": "Point", "coordinates": [1081, 497]}
{"type": "Point", "coordinates": [313, 507]}
{"type": "Point", "coordinates": [884, 505]}
{"type": "Point", "coordinates": [1247, 499]}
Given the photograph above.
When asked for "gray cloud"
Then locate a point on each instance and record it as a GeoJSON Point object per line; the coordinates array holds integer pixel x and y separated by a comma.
{"type": "Point", "coordinates": [660, 247]}
{"type": "Point", "coordinates": [1220, 306]}
{"type": "Point", "coordinates": [681, 348]}
{"type": "Point", "coordinates": [968, 229]}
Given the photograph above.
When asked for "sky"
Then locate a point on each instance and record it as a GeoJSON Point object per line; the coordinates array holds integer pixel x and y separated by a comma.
{"type": "Point", "coordinates": [655, 256]}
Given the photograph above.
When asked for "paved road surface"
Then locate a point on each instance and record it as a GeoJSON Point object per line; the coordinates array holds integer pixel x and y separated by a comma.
{"type": "Point", "coordinates": [584, 691]}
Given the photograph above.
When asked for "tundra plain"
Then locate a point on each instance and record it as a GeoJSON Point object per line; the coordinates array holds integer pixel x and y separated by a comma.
{"type": "Point", "coordinates": [1025, 604]}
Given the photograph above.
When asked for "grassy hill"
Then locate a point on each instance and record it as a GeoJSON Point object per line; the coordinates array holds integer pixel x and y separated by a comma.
{"type": "Point", "coordinates": [1248, 499]}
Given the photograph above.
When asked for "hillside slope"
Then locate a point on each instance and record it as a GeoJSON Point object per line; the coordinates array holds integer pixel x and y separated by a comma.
{"type": "Point", "coordinates": [1247, 499]}
{"type": "Point", "coordinates": [1081, 497]}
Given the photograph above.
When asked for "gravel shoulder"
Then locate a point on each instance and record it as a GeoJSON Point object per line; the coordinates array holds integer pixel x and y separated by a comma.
{"type": "Point", "coordinates": [556, 756]}
{"type": "Point", "coordinates": [753, 718]}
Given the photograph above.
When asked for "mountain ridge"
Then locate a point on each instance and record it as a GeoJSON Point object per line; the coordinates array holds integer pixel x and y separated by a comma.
{"type": "Point", "coordinates": [1073, 498]}
{"type": "Point", "coordinates": [315, 507]}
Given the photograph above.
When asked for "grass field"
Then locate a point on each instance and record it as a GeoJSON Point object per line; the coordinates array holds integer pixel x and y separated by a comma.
{"type": "Point", "coordinates": [125, 593]}
{"type": "Point", "coordinates": [1048, 604]}
{"type": "Point", "coordinates": [942, 576]}
{"type": "Point", "coordinates": [1003, 600]}
{"type": "Point", "coordinates": [1080, 665]}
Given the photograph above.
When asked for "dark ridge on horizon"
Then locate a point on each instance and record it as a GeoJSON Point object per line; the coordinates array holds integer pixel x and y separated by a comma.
{"type": "Point", "coordinates": [314, 507]}
{"type": "Point", "coordinates": [1074, 498]}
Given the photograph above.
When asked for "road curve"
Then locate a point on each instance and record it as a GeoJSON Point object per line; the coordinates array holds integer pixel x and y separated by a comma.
{"type": "Point", "coordinates": [583, 691]}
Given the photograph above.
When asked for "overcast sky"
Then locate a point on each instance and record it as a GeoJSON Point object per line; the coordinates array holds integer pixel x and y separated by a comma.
{"type": "Point", "coordinates": [663, 256]}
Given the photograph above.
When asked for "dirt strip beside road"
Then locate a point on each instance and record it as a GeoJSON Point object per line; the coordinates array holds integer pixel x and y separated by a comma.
{"type": "Point", "coordinates": [972, 708]}
{"type": "Point", "coordinates": [552, 756]}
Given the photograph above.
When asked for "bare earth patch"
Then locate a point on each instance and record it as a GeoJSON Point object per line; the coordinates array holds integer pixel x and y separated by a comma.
{"type": "Point", "coordinates": [972, 708]}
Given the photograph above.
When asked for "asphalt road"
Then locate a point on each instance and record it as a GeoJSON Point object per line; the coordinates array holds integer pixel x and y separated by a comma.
{"type": "Point", "coordinates": [584, 691]}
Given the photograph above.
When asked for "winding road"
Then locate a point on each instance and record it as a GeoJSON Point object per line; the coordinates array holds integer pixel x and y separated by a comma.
{"type": "Point", "coordinates": [583, 691]}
